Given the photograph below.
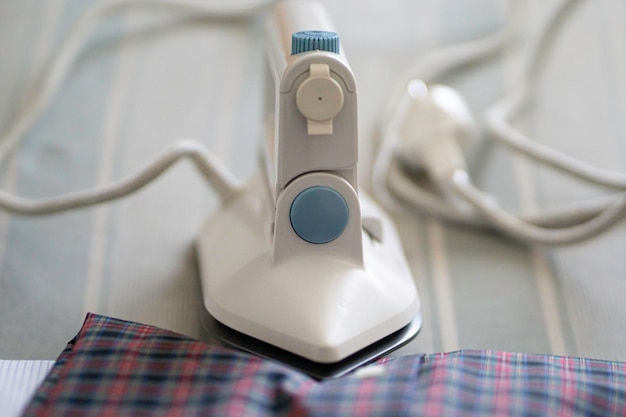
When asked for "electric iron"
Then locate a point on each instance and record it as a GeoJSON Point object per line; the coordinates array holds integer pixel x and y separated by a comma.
{"type": "Point", "coordinates": [300, 266]}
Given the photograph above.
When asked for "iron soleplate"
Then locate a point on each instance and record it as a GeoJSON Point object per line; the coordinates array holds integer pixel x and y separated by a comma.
{"type": "Point", "coordinates": [238, 340]}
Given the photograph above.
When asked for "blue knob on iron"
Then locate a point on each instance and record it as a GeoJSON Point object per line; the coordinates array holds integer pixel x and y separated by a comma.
{"type": "Point", "coordinates": [314, 40]}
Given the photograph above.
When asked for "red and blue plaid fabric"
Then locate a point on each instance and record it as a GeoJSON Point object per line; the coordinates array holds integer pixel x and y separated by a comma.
{"type": "Point", "coordinates": [118, 368]}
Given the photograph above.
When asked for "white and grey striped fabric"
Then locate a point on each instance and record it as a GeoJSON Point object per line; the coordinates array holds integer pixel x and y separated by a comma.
{"type": "Point", "coordinates": [130, 96]}
{"type": "Point", "coordinates": [18, 381]}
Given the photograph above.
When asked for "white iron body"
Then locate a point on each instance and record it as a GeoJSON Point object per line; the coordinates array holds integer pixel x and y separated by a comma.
{"type": "Point", "coordinates": [320, 301]}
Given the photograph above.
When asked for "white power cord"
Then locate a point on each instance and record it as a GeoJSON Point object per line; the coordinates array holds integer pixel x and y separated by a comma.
{"type": "Point", "coordinates": [497, 117]}
{"type": "Point", "coordinates": [216, 174]}
{"type": "Point", "coordinates": [523, 230]}
{"type": "Point", "coordinates": [425, 130]}
{"type": "Point", "coordinates": [211, 168]}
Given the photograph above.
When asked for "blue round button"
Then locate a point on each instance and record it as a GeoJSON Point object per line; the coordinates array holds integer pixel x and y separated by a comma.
{"type": "Point", "coordinates": [319, 214]}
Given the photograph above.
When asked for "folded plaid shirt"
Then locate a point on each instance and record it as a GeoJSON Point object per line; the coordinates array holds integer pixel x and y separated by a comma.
{"type": "Point", "coordinates": [118, 368]}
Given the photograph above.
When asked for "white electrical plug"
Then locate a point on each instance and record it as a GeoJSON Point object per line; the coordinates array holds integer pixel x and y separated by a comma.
{"type": "Point", "coordinates": [437, 124]}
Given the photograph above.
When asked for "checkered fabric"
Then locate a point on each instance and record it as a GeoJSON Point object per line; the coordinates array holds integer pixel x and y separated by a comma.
{"type": "Point", "coordinates": [118, 368]}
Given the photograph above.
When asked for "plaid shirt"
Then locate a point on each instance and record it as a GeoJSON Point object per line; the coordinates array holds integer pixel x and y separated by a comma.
{"type": "Point", "coordinates": [118, 368]}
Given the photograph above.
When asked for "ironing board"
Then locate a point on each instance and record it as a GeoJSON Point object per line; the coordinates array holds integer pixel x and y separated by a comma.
{"type": "Point", "coordinates": [130, 96]}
